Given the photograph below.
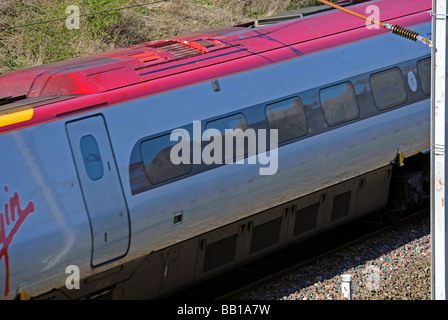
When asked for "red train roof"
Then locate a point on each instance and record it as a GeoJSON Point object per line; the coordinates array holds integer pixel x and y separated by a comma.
{"type": "Point", "coordinates": [157, 60]}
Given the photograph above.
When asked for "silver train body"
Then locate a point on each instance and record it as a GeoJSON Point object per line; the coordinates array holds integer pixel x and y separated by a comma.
{"type": "Point", "coordinates": [145, 243]}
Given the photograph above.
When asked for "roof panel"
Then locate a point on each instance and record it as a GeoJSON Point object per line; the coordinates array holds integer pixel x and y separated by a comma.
{"type": "Point", "coordinates": [148, 61]}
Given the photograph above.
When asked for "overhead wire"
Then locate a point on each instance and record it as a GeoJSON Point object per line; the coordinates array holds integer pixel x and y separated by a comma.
{"type": "Point", "coordinates": [84, 15]}
{"type": "Point", "coordinates": [400, 31]}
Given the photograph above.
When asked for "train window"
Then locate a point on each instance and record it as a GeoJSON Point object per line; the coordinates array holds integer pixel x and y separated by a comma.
{"type": "Point", "coordinates": [156, 159]}
{"type": "Point", "coordinates": [92, 157]}
{"type": "Point", "coordinates": [339, 103]}
{"type": "Point", "coordinates": [388, 88]}
{"type": "Point", "coordinates": [424, 72]}
{"type": "Point", "coordinates": [288, 118]}
{"type": "Point", "coordinates": [237, 121]}
{"type": "Point", "coordinates": [229, 124]}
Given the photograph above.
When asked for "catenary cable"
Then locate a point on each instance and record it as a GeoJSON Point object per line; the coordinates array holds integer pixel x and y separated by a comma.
{"type": "Point", "coordinates": [84, 15]}
{"type": "Point", "coordinates": [400, 31]}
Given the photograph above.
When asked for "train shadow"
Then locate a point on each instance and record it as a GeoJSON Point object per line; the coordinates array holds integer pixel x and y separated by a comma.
{"type": "Point", "coordinates": [373, 255]}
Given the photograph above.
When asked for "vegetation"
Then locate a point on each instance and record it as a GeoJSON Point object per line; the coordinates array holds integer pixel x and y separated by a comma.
{"type": "Point", "coordinates": [34, 32]}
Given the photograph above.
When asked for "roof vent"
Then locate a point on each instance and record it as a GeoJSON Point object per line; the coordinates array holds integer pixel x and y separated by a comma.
{"type": "Point", "coordinates": [7, 100]}
{"type": "Point", "coordinates": [204, 43]}
{"type": "Point", "coordinates": [180, 49]}
{"type": "Point", "coordinates": [145, 56]}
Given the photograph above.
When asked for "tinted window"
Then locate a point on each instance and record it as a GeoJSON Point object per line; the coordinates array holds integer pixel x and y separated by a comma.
{"type": "Point", "coordinates": [239, 145]}
{"type": "Point", "coordinates": [424, 72]}
{"type": "Point", "coordinates": [388, 88]}
{"type": "Point", "coordinates": [288, 118]}
{"type": "Point", "coordinates": [92, 157]}
{"type": "Point", "coordinates": [157, 161]}
{"type": "Point", "coordinates": [339, 103]}
{"type": "Point", "coordinates": [237, 121]}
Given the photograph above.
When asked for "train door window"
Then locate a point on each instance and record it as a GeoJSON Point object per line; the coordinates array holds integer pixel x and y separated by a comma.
{"type": "Point", "coordinates": [288, 118]}
{"type": "Point", "coordinates": [339, 103]}
{"type": "Point", "coordinates": [227, 126]}
{"type": "Point", "coordinates": [91, 157]}
{"type": "Point", "coordinates": [157, 161]}
{"type": "Point", "coordinates": [424, 72]}
{"type": "Point", "coordinates": [388, 88]}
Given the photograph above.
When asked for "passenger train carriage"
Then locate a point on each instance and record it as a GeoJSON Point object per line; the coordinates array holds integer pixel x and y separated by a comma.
{"type": "Point", "coordinates": [86, 178]}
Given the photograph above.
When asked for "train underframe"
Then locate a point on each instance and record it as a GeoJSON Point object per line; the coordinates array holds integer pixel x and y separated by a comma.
{"type": "Point", "coordinates": [388, 192]}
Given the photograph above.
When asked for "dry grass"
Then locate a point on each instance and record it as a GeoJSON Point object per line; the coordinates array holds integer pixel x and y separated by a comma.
{"type": "Point", "coordinates": [43, 43]}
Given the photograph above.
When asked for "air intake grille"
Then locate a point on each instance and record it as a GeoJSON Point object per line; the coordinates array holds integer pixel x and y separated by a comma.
{"type": "Point", "coordinates": [178, 50]}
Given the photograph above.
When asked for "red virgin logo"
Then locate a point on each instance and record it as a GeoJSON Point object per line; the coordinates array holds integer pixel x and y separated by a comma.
{"type": "Point", "coordinates": [10, 221]}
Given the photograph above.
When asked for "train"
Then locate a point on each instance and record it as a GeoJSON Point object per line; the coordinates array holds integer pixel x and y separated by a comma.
{"type": "Point", "coordinates": [118, 181]}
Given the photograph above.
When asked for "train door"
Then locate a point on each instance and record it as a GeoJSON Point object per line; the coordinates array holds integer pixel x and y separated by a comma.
{"type": "Point", "coordinates": [101, 188]}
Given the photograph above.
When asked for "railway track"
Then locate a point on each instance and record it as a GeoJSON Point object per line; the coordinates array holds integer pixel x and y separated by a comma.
{"type": "Point", "coordinates": [233, 285]}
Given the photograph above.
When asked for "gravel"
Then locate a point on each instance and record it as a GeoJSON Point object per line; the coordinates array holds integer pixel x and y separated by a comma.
{"type": "Point", "coordinates": [392, 266]}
